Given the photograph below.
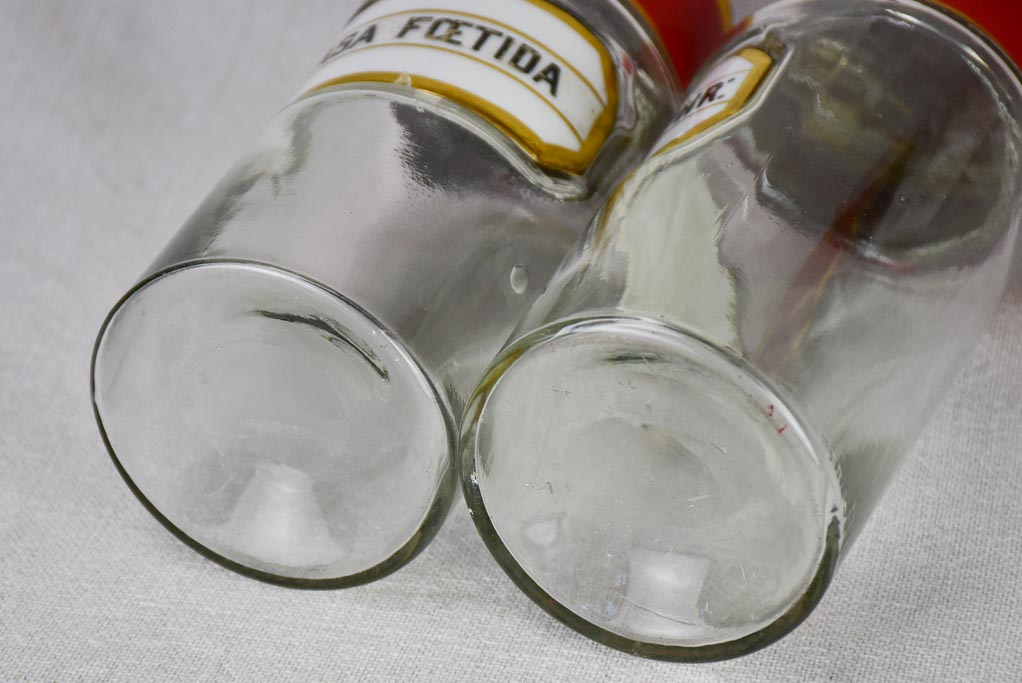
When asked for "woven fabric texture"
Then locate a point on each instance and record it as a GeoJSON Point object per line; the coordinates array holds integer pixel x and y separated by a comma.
{"type": "Point", "coordinates": [117, 117]}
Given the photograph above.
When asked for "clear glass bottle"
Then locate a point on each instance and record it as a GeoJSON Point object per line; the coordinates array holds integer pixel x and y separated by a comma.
{"type": "Point", "coordinates": [722, 378]}
{"type": "Point", "coordinates": [278, 388]}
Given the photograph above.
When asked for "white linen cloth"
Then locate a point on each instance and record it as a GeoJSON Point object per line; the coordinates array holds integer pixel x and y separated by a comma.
{"type": "Point", "coordinates": [117, 117]}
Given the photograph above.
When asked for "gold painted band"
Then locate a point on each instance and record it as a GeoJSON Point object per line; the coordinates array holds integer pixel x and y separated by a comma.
{"type": "Point", "coordinates": [547, 155]}
{"type": "Point", "coordinates": [574, 130]}
{"type": "Point", "coordinates": [761, 62]}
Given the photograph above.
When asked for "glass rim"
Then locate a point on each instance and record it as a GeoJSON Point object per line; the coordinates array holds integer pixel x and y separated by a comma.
{"type": "Point", "coordinates": [1008, 63]}
{"type": "Point", "coordinates": [760, 20]}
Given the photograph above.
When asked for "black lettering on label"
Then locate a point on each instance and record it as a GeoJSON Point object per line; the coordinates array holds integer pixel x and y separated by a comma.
{"type": "Point", "coordinates": [710, 96]}
{"type": "Point", "coordinates": [707, 96]}
{"type": "Point", "coordinates": [450, 35]}
{"type": "Point", "coordinates": [366, 36]}
{"type": "Point", "coordinates": [505, 46]}
{"type": "Point", "coordinates": [551, 75]}
{"type": "Point", "coordinates": [523, 57]}
{"type": "Point", "coordinates": [689, 106]}
{"type": "Point", "coordinates": [484, 35]}
{"type": "Point", "coordinates": [526, 58]}
{"type": "Point", "coordinates": [413, 24]}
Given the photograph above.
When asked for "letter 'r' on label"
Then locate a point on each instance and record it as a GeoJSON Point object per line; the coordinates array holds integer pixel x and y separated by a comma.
{"type": "Point", "coordinates": [719, 95]}
{"type": "Point", "coordinates": [526, 66]}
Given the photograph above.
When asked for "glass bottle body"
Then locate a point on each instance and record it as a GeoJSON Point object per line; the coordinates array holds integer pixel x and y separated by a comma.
{"type": "Point", "coordinates": [729, 368]}
{"type": "Point", "coordinates": [279, 387]}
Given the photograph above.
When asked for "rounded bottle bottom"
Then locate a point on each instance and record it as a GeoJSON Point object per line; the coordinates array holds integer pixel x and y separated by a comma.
{"type": "Point", "coordinates": [650, 491]}
{"type": "Point", "coordinates": [272, 425]}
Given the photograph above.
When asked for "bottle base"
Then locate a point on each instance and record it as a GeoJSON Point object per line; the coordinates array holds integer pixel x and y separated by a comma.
{"type": "Point", "coordinates": [272, 425]}
{"type": "Point", "coordinates": [650, 491]}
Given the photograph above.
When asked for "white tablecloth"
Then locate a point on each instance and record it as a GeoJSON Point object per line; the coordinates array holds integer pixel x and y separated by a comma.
{"type": "Point", "coordinates": [117, 117]}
